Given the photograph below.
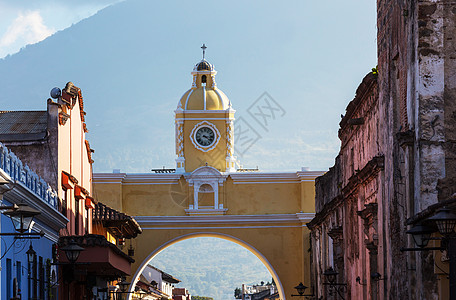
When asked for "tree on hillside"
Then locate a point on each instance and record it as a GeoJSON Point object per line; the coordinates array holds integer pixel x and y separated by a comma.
{"type": "Point", "coordinates": [237, 293]}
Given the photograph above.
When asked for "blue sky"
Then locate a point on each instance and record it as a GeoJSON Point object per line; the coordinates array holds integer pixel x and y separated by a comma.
{"type": "Point", "coordinates": [25, 22]}
{"type": "Point", "coordinates": [308, 56]}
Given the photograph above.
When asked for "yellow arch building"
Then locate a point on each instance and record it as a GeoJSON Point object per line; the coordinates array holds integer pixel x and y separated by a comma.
{"type": "Point", "coordinates": [207, 196]}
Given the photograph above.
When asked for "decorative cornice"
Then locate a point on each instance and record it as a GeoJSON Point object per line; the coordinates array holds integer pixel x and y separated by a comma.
{"type": "Point", "coordinates": [49, 215]}
{"type": "Point", "coordinates": [151, 222]}
{"type": "Point", "coordinates": [63, 117]}
{"type": "Point", "coordinates": [365, 86]}
{"type": "Point", "coordinates": [328, 208]}
{"type": "Point", "coordinates": [140, 178]}
{"type": "Point", "coordinates": [369, 170]}
{"type": "Point", "coordinates": [369, 212]}
{"type": "Point", "coordinates": [309, 175]}
{"type": "Point", "coordinates": [237, 177]}
{"type": "Point", "coordinates": [257, 177]}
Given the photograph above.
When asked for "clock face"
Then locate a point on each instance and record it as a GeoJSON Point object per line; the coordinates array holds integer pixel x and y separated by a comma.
{"type": "Point", "coordinates": [205, 136]}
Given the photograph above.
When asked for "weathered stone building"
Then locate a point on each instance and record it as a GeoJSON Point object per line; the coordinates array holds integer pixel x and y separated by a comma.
{"type": "Point", "coordinates": [401, 169]}
{"type": "Point", "coordinates": [340, 238]}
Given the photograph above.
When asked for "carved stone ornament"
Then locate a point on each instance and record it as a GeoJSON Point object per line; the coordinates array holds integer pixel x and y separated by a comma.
{"type": "Point", "coordinates": [229, 138]}
{"type": "Point", "coordinates": [63, 118]}
{"type": "Point", "coordinates": [180, 139]}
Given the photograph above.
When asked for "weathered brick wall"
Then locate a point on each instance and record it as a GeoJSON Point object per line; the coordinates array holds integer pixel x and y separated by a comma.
{"type": "Point", "coordinates": [359, 129]}
{"type": "Point", "coordinates": [397, 157]}
{"type": "Point", "coordinates": [340, 238]}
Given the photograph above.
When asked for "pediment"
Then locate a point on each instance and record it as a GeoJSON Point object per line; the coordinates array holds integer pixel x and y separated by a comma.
{"type": "Point", "coordinates": [205, 174]}
{"type": "Point", "coordinates": [206, 171]}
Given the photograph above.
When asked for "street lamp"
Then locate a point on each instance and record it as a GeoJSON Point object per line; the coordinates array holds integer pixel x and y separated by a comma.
{"type": "Point", "coordinates": [72, 251]}
{"type": "Point", "coordinates": [421, 234]}
{"type": "Point", "coordinates": [123, 285]}
{"type": "Point", "coordinates": [31, 259]}
{"type": "Point", "coordinates": [30, 254]}
{"type": "Point", "coordinates": [301, 288]}
{"type": "Point", "coordinates": [22, 217]}
{"type": "Point", "coordinates": [331, 275]}
{"type": "Point", "coordinates": [445, 221]}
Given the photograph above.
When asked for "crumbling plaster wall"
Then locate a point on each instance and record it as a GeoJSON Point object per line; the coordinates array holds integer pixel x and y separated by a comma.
{"type": "Point", "coordinates": [341, 238]}
{"type": "Point", "coordinates": [41, 156]}
{"type": "Point", "coordinates": [413, 129]}
{"type": "Point", "coordinates": [416, 88]}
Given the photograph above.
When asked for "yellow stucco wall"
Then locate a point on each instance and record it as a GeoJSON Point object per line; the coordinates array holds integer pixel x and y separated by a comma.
{"type": "Point", "coordinates": [287, 261]}
{"type": "Point", "coordinates": [263, 211]}
{"type": "Point", "coordinates": [151, 197]}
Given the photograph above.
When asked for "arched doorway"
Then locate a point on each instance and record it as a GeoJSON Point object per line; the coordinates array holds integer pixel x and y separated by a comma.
{"type": "Point", "coordinates": [227, 237]}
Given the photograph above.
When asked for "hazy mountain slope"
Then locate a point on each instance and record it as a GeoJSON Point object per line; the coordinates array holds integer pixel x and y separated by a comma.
{"type": "Point", "coordinates": [133, 62]}
{"type": "Point", "coordinates": [211, 267]}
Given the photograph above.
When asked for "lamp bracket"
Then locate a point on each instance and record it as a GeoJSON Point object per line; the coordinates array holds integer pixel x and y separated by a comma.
{"type": "Point", "coordinates": [421, 249]}
{"type": "Point", "coordinates": [358, 280]}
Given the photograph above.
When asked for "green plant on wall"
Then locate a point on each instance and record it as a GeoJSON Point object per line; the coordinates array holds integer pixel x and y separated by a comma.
{"type": "Point", "coordinates": [375, 70]}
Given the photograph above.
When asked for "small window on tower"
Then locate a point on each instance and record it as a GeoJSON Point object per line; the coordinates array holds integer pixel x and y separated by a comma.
{"type": "Point", "coordinates": [203, 80]}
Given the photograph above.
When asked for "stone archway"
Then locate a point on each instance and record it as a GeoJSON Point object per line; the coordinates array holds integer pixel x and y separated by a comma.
{"type": "Point", "coordinates": [230, 238]}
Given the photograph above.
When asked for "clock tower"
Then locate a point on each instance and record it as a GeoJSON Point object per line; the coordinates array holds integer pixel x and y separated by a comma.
{"type": "Point", "coordinates": [204, 124]}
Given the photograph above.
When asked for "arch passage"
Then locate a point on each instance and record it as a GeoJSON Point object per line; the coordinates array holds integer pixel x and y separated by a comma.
{"type": "Point", "coordinates": [215, 235]}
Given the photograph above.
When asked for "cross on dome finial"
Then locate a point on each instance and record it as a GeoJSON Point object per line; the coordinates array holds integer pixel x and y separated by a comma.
{"type": "Point", "coordinates": [204, 50]}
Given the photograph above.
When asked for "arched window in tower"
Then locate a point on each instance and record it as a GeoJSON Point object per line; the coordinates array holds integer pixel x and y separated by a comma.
{"type": "Point", "coordinates": [203, 80]}
{"type": "Point", "coordinates": [206, 197]}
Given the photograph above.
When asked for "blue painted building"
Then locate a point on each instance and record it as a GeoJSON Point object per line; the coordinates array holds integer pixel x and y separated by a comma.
{"type": "Point", "coordinates": [20, 278]}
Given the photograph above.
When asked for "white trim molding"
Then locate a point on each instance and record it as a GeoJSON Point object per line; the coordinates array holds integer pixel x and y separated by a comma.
{"type": "Point", "coordinates": [222, 221]}
{"type": "Point", "coordinates": [205, 212]}
{"type": "Point", "coordinates": [137, 178]}
{"type": "Point", "coordinates": [266, 178]}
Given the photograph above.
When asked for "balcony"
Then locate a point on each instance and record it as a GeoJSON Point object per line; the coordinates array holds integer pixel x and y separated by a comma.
{"type": "Point", "coordinates": [99, 257]}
